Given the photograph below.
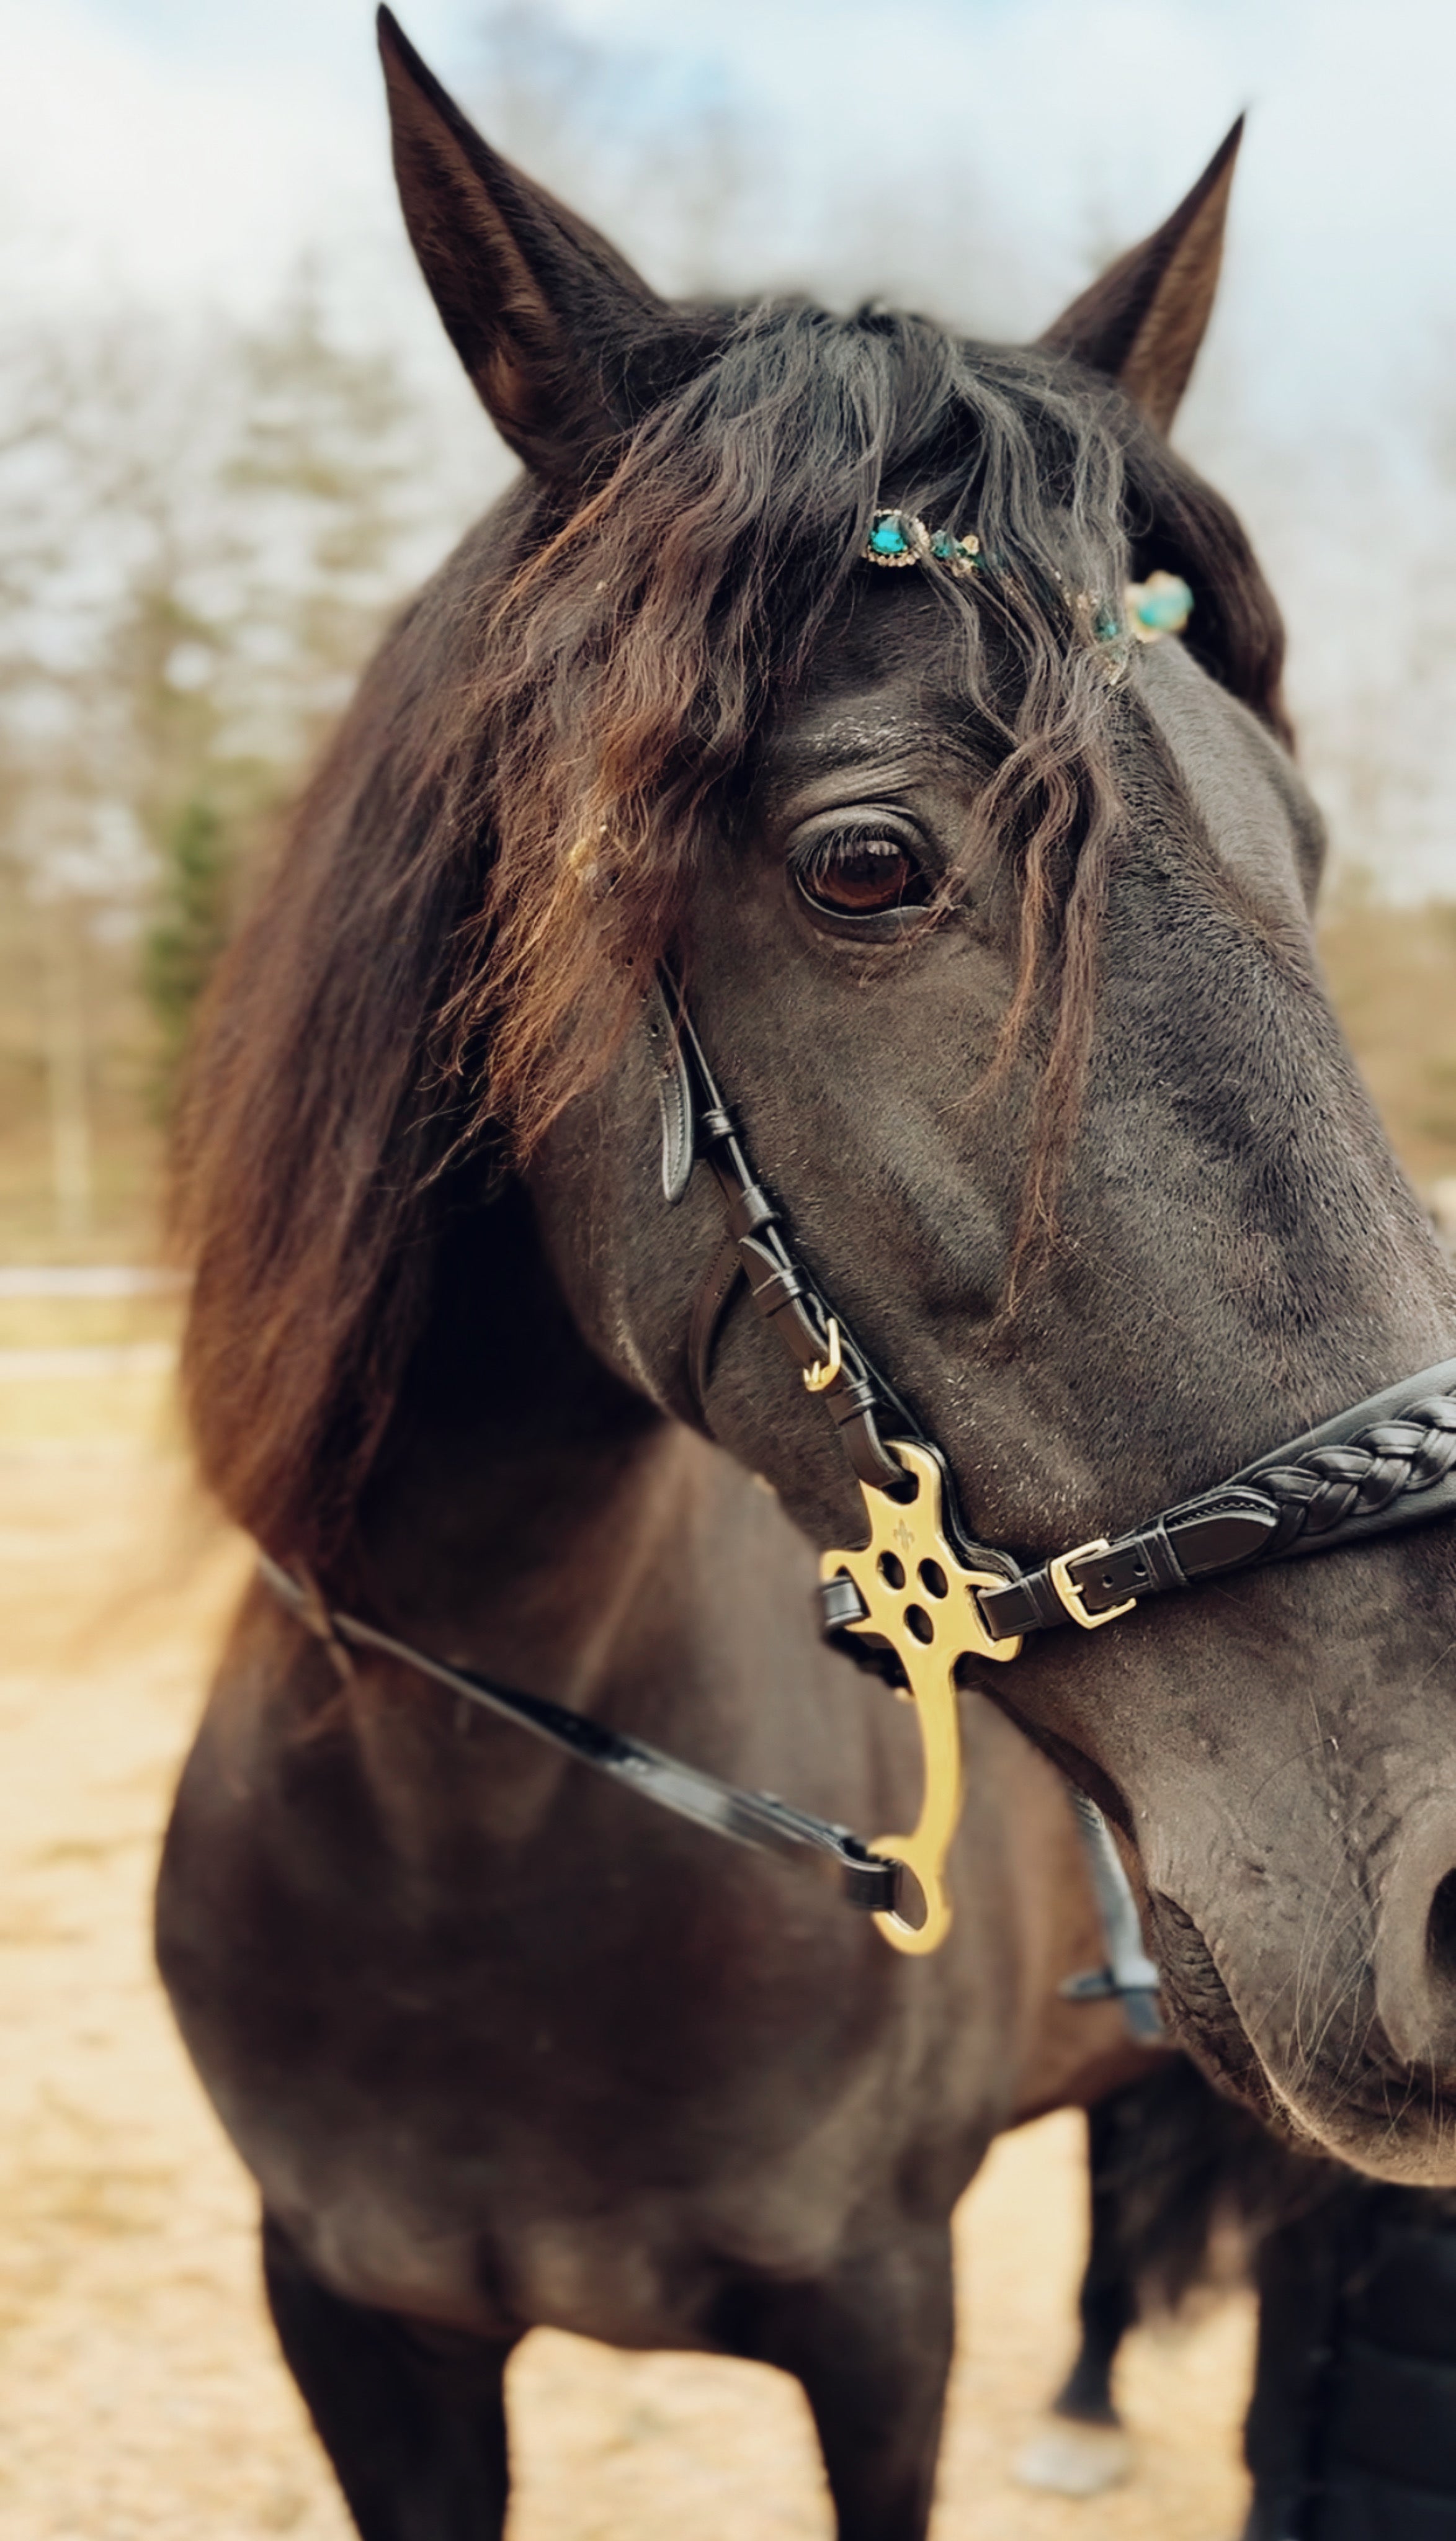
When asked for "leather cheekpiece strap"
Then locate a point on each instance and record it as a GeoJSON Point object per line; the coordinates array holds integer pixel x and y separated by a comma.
{"type": "Point", "coordinates": [673, 1095]}
{"type": "Point", "coordinates": [783, 1292]}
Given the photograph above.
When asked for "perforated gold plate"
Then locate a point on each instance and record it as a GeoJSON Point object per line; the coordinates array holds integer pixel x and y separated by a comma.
{"type": "Point", "coordinates": [921, 1600]}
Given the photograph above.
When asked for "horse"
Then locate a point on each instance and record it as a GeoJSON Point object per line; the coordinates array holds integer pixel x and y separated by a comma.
{"type": "Point", "coordinates": [993, 922]}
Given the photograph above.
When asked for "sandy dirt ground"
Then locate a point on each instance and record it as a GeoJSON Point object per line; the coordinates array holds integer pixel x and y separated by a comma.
{"type": "Point", "coordinates": [140, 2394]}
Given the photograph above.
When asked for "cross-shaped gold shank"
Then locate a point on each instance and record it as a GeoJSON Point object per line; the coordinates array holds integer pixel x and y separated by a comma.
{"type": "Point", "coordinates": [921, 1600]}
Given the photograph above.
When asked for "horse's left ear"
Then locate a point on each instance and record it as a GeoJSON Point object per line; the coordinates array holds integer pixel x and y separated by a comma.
{"type": "Point", "coordinates": [553, 326]}
{"type": "Point", "coordinates": [1142, 323]}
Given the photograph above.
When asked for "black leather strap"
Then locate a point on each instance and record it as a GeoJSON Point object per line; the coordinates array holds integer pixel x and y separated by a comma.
{"type": "Point", "coordinates": [758, 1819]}
{"type": "Point", "coordinates": [782, 1290]}
{"type": "Point", "coordinates": [1387, 1462]}
{"type": "Point", "coordinates": [1220, 1533]}
{"type": "Point", "coordinates": [674, 1094]}
{"type": "Point", "coordinates": [1128, 1976]}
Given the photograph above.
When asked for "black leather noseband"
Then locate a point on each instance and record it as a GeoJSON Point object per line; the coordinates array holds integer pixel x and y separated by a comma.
{"type": "Point", "coordinates": [1385, 1463]}
{"type": "Point", "coordinates": [1388, 1462]}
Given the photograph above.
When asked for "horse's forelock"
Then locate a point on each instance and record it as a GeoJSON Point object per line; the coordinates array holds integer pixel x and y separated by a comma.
{"type": "Point", "coordinates": [503, 838]}
{"type": "Point", "coordinates": [637, 654]}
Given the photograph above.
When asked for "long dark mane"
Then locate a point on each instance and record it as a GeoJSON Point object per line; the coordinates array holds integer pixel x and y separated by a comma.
{"type": "Point", "coordinates": [501, 841]}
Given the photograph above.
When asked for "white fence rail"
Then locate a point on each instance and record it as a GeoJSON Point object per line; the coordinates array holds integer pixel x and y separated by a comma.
{"type": "Point", "coordinates": [89, 1280]}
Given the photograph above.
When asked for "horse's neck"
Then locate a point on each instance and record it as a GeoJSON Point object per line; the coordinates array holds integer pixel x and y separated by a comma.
{"type": "Point", "coordinates": [534, 1517]}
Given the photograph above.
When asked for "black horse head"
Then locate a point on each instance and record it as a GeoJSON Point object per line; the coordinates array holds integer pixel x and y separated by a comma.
{"type": "Point", "coordinates": [996, 928]}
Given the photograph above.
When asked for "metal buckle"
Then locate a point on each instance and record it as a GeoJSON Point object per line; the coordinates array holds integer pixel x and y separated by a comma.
{"type": "Point", "coordinates": [1059, 1574]}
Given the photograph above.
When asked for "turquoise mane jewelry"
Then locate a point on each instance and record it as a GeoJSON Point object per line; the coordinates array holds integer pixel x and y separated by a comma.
{"type": "Point", "coordinates": [1161, 605]}
{"type": "Point", "coordinates": [901, 537]}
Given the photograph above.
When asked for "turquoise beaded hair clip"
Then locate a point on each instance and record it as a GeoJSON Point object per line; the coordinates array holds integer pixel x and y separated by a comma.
{"type": "Point", "coordinates": [1161, 605]}
{"type": "Point", "coordinates": [901, 537]}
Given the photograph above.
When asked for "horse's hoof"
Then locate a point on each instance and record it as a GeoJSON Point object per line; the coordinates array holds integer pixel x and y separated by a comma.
{"type": "Point", "coordinates": [1075, 2460]}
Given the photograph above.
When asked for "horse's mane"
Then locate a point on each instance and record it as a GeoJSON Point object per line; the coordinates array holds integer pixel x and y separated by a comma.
{"type": "Point", "coordinates": [502, 838]}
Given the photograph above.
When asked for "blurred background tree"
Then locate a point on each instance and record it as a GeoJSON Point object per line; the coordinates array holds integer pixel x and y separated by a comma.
{"type": "Point", "coordinates": [201, 530]}
{"type": "Point", "coordinates": [205, 521]}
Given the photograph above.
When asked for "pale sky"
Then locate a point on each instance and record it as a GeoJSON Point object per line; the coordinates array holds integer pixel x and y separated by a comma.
{"type": "Point", "coordinates": [193, 148]}
{"type": "Point", "coordinates": [190, 152]}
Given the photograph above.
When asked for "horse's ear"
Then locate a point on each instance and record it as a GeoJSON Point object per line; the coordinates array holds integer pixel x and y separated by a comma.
{"type": "Point", "coordinates": [1142, 323]}
{"type": "Point", "coordinates": [550, 322]}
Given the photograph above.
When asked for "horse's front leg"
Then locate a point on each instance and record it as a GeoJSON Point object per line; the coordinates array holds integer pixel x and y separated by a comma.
{"type": "Point", "coordinates": [414, 2426]}
{"type": "Point", "coordinates": [871, 2344]}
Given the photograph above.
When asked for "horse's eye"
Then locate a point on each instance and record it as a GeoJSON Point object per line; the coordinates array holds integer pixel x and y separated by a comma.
{"type": "Point", "coordinates": [861, 875]}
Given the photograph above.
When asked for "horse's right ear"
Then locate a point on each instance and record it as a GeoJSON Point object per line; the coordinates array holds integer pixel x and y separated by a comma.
{"type": "Point", "coordinates": [1142, 321]}
{"type": "Point", "coordinates": [550, 322]}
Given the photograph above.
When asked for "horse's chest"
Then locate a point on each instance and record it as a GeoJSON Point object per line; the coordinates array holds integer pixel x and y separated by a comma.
{"type": "Point", "coordinates": [569, 2088]}
{"type": "Point", "coordinates": [637, 2266]}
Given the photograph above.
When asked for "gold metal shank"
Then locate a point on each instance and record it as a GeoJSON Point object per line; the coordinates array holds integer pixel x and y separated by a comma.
{"type": "Point", "coordinates": [922, 1599]}
{"type": "Point", "coordinates": [1059, 1574]}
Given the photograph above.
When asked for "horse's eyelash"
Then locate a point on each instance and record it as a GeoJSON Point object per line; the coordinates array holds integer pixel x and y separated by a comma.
{"type": "Point", "coordinates": [943, 897]}
{"type": "Point", "coordinates": [823, 851]}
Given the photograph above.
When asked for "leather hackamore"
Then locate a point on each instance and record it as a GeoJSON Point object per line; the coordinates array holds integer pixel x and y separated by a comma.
{"type": "Point", "coordinates": [922, 1596]}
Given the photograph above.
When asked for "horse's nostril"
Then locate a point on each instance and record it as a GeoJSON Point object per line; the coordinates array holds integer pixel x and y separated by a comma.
{"type": "Point", "coordinates": [1414, 1955]}
{"type": "Point", "coordinates": [1440, 1931]}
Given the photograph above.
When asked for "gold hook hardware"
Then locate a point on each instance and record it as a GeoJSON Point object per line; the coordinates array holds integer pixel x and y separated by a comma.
{"type": "Point", "coordinates": [823, 1373]}
{"type": "Point", "coordinates": [921, 1598]}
